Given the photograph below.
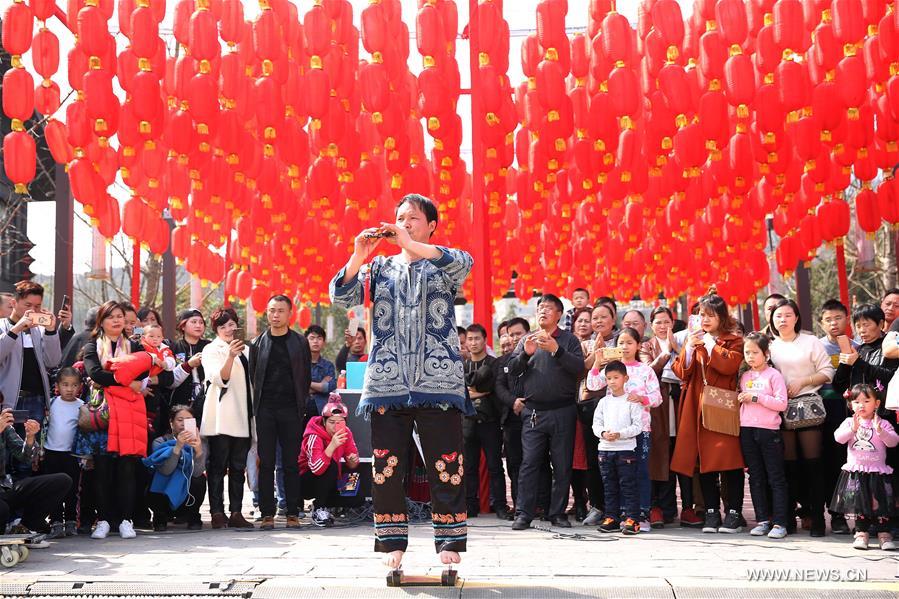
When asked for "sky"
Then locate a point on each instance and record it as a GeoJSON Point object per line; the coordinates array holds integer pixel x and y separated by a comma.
{"type": "Point", "coordinates": [520, 14]}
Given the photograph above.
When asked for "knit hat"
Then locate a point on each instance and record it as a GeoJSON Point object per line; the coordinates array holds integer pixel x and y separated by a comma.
{"type": "Point", "coordinates": [334, 407]}
{"type": "Point", "coordinates": [186, 315]}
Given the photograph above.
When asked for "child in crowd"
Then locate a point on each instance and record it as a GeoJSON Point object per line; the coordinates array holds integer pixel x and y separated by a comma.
{"type": "Point", "coordinates": [643, 389]}
{"type": "Point", "coordinates": [59, 439]}
{"type": "Point", "coordinates": [617, 422]}
{"type": "Point", "coordinates": [864, 488]}
{"type": "Point", "coordinates": [326, 441]}
{"type": "Point", "coordinates": [163, 358]}
{"type": "Point", "coordinates": [763, 396]}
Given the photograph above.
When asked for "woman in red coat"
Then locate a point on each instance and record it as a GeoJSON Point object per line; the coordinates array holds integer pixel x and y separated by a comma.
{"type": "Point", "coordinates": [717, 349]}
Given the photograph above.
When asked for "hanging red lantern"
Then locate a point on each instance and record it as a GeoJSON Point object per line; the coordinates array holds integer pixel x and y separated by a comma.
{"type": "Point", "coordinates": [17, 24]}
{"type": "Point", "coordinates": [18, 95]}
{"type": "Point", "coordinates": [55, 134]}
{"type": "Point", "coordinates": [19, 159]}
{"type": "Point", "coordinates": [866, 211]}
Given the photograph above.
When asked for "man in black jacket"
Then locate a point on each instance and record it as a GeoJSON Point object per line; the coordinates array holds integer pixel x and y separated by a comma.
{"type": "Point", "coordinates": [280, 372]}
{"type": "Point", "coordinates": [550, 362]}
{"type": "Point", "coordinates": [482, 430]}
{"type": "Point", "coordinates": [508, 393]}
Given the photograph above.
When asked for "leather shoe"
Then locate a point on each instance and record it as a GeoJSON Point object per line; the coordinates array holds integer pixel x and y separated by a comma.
{"type": "Point", "coordinates": [521, 523]}
{"type": "Point", "coordinates": [219, 520]}
{"type": "Point", "coordinates": [238, 521]}
{"type": "Point", "coordinates": [503, 513]}
{"type": "Point", "coordinates": [560, 522]}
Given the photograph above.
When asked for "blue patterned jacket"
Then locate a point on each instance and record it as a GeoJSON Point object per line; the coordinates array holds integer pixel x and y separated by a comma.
{"type": "Point", "coordinates": [415, 357]}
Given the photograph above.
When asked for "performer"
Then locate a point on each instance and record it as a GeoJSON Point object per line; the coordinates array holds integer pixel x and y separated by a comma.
{"type": "Point", "coordinates": [414, 375]}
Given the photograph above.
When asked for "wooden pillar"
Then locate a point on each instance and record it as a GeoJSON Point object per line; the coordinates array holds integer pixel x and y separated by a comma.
{"type": "Point", "coordinates": [169, 289]}
{"type": "Point", "coordinates": [804, 295]}
{"type": "Point", "coordinates": [63, 280]}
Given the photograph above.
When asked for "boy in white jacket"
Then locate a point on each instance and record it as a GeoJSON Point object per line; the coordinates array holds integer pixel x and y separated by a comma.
{"type": "Point", "coordinates": [617, 422]}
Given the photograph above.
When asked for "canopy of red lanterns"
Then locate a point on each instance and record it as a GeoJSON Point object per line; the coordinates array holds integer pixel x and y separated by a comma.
{"type": "Point", "coordinates": [635, 161]}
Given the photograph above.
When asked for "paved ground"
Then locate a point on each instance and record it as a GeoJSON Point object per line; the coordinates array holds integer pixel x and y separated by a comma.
{"type": "Point", "coordinates": [338, 562]}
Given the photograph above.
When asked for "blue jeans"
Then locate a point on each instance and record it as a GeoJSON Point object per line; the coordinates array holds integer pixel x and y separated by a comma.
{"type": "Point", "coordinates": [619, 474]}
{"type": "Point", "coordinates": [644, 485]}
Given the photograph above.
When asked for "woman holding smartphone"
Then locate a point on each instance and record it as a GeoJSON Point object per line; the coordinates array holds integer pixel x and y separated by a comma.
{"type": "Point", "coordinates": [711, 355]}
{"type": "Point", "coordinates": [178, 455]}
{"type": "Point", "coordinates": [227, 418]}
{"type": "Point", "coordinates": [326, 442]}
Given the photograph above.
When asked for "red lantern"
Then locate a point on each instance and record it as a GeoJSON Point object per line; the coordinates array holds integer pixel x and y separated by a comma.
{"type": "Point", "coordinates": [60, 149]}
{"type": "Point", "coordinates": [17, 24]}
{"type": "Point", "coordinates": [866, 211]}
{"type": "Point", "coordinates": [18, 94]}
{"type": "Point", "coordinates": [19, 159]}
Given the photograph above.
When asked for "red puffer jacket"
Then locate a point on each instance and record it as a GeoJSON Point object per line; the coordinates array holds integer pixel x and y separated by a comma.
{"type": "Point", "coordinates": [127, 409]}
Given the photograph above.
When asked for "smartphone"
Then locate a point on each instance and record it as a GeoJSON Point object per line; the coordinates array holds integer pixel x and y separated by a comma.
{"type": "Point", "coordinates": [66, 303]}
{"type": "Point", "coordinates": [340, 426]}
{"type": "Point", "coordinates": [844, 343]}
{"type": "Point", "coordinates": [238, 335]}
{"type": "Point", "coordinates": [695, 322]}
{"type": "Point", "coordinates": [20, 416]}
{"type": "Point", "coordinates": [190, 425]}
{"type": "Point", "coordinates": [612, 353]}
{"type": "Point", "coordinates": [353, 327]}
{"type": "Point", "coordinates": [42, 320]}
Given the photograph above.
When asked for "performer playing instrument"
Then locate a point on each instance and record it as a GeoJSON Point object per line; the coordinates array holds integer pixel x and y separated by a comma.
{"type": "Point", "coordinates": [414, 375]}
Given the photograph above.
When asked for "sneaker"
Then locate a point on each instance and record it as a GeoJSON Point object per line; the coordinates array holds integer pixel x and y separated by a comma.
{"type": "Point", "coordinates": [594, 517]}
{"type": "Point", "coordinates": [126, 529]}
{"type": "Point", "coordinates": [778, 532]}
{"type": "Point", "coordinates": [656, 519]}
{"type": "Point", "coordinates": [322, 517]}
{"type": "Point", "coordinates": [689, 519]}
{"type": "Point", "coordinates": [160, 526]}
{"type": "Point", "coordinates": [282, 511]}
{"type": "Point", "coordinates": [631, 527]}
{"type": "Point", "coordinates": [761, 529]}
{"type": "Point", "coordinates": [712, 521]}
{"type": "Point", "coordinates": [645, 526]}
{"type": "Point", "coordinates": [57, 530]}
{"type": "Point", "coordinates": [101, 530]}
{"type": "Point", "coordinates": [71, 528]}
{"type": "Point", "coordinates": [886, 541]}
{"type": "Point", "coordinates": [609, 524]}
{"type": "Point", "coordinates": [861, 541]}
{"type": "Point", "coordinates": [731, 523]}
{"type": "Point", "coordinates": [301, 514]}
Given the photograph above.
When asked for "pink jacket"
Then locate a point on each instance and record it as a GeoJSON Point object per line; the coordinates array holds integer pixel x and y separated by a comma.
{"type": "Point", "coordinates": [312, 451]}
{"type": "Point", "coordinates": [771, 390]}
{"type": "Point", "coordinates": [867, 451]}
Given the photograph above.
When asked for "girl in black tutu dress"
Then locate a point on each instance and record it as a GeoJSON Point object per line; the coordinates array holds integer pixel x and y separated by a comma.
{"type": "Point", "coordinates": [864, 489]}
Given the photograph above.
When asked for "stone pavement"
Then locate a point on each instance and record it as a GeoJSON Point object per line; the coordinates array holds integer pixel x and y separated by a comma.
{"type": "Point", "coordinates": [541, 562]}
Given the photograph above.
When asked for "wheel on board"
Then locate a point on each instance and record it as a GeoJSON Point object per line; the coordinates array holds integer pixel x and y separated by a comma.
{"type": "Point", "coordinates": [448, 578]}
{"type": "Point", "coordinates": [9, 557]}
{"type": "Point", "coordinates": [24, 552]}
{"type": "Point", "coordinates": [395, 578]}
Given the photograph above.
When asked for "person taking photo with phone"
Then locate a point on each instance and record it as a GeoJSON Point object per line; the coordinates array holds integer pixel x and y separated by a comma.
{"type": "Point", "coordinates": [327, 442]}
{"type": "Point", "coordinates": [36, 495]}
{"type": "Point", "coordinates": [179, 479]}
{"type": "Point", "coordinates": [280, 372]}
{"type": "Point", "coordinates": [29, 348]}
{"type": "Point", "coordinates": [227, 418]}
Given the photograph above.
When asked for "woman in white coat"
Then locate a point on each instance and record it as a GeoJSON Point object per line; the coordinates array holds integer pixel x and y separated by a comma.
{"type": "Point", "coordinates": [227, 418]}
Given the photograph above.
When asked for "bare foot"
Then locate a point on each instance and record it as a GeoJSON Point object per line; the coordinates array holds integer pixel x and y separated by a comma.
{"type": "Point", "coordinates": [449, 557]}
{"type": "Point", "coordinates": [394, 559]}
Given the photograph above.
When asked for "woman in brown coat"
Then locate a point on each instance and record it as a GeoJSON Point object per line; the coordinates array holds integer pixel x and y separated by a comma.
{"type": "Point", "coordinates": [719, 351]}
